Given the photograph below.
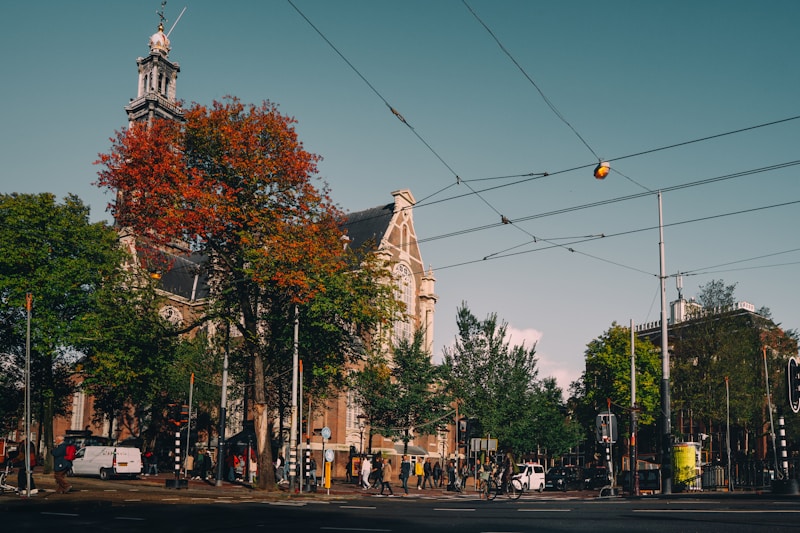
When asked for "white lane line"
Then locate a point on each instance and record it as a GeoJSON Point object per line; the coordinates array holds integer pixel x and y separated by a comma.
{"type": "Point", "coordinates": [351, 529]}
{"type": "Point", "coordinates": [453, 508]}
{"type": "Point", "coordinates": [356, 507]}
{"type": "Point", "coordinates": [739, 511]}
{"type": "Point", "coordinates": [287, 504]}
{"type": "Point", "coordinates": [59, 514]}
{"type": "Point", "coordinates": [545, 510]}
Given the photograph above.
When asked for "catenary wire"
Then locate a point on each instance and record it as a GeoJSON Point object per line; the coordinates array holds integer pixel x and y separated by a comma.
{"type": "Point", "coordinates": [402, 119]}
{"type": "Point", "coordinates": [547, 101]}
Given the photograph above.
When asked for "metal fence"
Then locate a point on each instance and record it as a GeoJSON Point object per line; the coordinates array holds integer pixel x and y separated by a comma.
{"type": "Point", "coordinates": [746, 475]}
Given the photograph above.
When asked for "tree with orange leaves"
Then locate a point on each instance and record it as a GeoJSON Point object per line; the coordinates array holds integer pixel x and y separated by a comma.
{"type": "Point", "coordinates": [234, 183]}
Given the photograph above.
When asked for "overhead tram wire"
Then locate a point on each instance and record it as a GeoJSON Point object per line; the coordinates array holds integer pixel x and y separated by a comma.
{"type": "Point", "coordinates": [505, 220]}
{"type": "Point", "coordinates": [402, 119]}
{"type": "Point", "coordinates": [704, 270]}
{"type": "Point", "coordinates": [634, 196]}
{"type": "Point", "coordinates": [620, 158]}
{"type": "Point", "coordinates": [570, 246]}
{"type": "Point", "coordinates": [547, 101]}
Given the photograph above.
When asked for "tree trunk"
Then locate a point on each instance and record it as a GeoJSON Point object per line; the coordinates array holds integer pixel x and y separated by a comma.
{"type": "Point", "coordinates": [266, 470]}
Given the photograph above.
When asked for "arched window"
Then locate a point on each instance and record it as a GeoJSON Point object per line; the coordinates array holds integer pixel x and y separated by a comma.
{"type": "Point", "coordinates": [404, 291]}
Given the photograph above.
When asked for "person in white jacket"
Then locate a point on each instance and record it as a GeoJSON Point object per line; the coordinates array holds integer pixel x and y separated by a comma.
{"type": "Point", "coordinates": [366, 468]}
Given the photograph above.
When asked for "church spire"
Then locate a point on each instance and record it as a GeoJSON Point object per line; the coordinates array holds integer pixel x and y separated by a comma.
{"type": "Point", "coordinates": [156, 95]}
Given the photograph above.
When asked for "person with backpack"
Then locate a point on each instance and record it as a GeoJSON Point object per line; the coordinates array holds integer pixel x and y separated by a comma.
{"type": "Point", "coordinates": [63, 454]}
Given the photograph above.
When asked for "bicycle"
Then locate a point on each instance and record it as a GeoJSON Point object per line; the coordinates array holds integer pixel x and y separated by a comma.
{"type": "Point", "coordinates": [494, 485]}
{"type": "Point", "coordinates": [488, 488]}
{"type": "Point", "coordinates": [513, 488]}
{"type": "Point", "coordinates": [4, 486]}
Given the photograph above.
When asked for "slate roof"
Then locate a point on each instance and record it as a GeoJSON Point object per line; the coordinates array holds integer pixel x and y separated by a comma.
{"type": "Point", "coordinates": [368, 226]}
{"type": "Point", "coordinates": [177, 271]}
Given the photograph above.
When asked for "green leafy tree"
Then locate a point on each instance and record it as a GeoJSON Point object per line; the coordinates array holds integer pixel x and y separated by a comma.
{"type": "Point", "coordinates": [608, 376]}
{"type": "Point", "coordinates": [555, 428]}
{"type": "Point", "coordinates": [720, 341]}
{"type": "Point", "coordinates": [374, 390]}
{"type": "Point", "coordinates": [498, 384]}
{"type": "Point", "coordinates": [53, 252]}
{"type": "Point", "coordinates": [234, 183]}
{"type": "Point", "coordinates": [418, 399]}
{"type": "Point", "coordinates": [128, 349]}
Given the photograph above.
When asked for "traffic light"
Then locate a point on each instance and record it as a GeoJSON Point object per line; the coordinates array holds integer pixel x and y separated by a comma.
{"type": "Point", "coordinates": [463, 431]}
{"type": "Point", "coordinates": [173, 414]}
{"type": "Point", "coordinates": [793, 375]}
{"type": "Point", "coordinates": [184, 415]}
{"type": "Point", "coordinates": [606, 427]}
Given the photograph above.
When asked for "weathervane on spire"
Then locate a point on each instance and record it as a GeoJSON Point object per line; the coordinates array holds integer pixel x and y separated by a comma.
{"type": "Point", "coordinates": [161, 15]}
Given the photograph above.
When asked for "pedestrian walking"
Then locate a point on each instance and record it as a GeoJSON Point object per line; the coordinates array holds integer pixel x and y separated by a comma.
{"type": "Point", "coordinates": [377, 471]}
{"type": "Point", "coordinates": [386, 477]}
{"type": "Point", "coordinates": [62, 462]}
{"type": "Point", "coordinates": [279, 472]}
{"type": "Point", "coordinates": [419, 471]}
{"type": "Point", "coordinates": [366, 468]}
{"type": "Point", "coordinates": [437, 474]}
{"type": "Point", "coordinates": [427, 470]}
{"type": "Point", "coordinates": [451, 475]}
{"type": "Point", "coordinates": [405, 473]}
{"type": "Point", "coordinates": [312, 468]}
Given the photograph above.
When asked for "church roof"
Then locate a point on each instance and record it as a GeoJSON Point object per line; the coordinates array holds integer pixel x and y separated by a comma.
{"type": "Point", "coordinates": [368, 227]}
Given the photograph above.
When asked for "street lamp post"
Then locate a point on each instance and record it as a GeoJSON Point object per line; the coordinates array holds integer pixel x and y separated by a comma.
{"type": "Point", "coordinates": [362, 423]}
{"type": "Point", "coordinates": [600, 172]}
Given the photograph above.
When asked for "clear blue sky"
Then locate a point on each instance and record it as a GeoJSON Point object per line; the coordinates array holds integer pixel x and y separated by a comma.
{"type": "Point", "coordinates": [630, 77]}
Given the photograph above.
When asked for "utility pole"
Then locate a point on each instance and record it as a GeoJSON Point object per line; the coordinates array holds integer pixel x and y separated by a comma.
{"type": "Point", "coordinates": [293, 436]}
{"type": "Point", "coordinates": [634, 418]}
{"type": "Point", "coordinates": [666, 414]}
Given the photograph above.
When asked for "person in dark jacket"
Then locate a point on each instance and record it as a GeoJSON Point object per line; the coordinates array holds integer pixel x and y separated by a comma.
{"type": "Point", "coordinates": [61, 466]}
{"type": "Point", "coordinates": [428, 471]}
{"type": "Point", "coordinates": [405, 473]}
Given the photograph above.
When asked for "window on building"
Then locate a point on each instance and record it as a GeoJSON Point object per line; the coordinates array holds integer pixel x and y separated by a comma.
{"type": "Point", "coordinates": [404, 291]}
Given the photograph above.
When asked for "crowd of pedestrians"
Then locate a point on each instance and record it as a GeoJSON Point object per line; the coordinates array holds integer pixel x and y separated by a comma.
{"type": "Point", "coordinates": [378, 473]}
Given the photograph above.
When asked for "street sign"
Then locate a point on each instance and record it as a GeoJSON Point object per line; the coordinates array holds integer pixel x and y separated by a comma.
{"type": "Point", "coordinates": [326, 432]}
{"type": "Point", "coordinates": [329, 454]}
{"type": "Point", "coordinates": [483, 444]}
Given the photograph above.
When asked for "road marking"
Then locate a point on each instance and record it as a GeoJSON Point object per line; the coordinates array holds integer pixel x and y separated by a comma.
{"type": "Point", "coordinates": [351, 529]}
{"type": "Point", "coordinates": [59, 514]}
{"type": "Point", "coordinates": [356, 507]}
{"type": "Point", "coordinates": [287, 504]}
{"type": "Point", "coordinates": [135, 518]}
{"type": "Point", "coordinates": [735, 511]}
{"type": "Point", "coordinates": [545, 510]}
{"type": "Point", "coordinates": [453, 508]}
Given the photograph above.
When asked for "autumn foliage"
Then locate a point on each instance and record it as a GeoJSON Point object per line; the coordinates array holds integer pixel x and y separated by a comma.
{"type": "Point", "coordinates": [232, 181]}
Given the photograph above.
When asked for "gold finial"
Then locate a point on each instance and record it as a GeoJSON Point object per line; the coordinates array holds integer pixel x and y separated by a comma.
{"type": "Point", "coordinates": [161, 16]}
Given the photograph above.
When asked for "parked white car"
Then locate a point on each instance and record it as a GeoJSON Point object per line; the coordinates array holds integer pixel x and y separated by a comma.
{"type": "Point", "coordinates": [532, 476]}
{"type": "Point", "coordinates": [107, 462]}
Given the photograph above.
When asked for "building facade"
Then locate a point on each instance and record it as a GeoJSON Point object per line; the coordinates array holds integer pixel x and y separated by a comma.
{"type": "Point", "coordinates": [183, 280]}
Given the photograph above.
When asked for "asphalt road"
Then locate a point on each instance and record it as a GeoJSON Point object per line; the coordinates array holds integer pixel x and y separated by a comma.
{"type": "Point", "coordinates": [146, 505]}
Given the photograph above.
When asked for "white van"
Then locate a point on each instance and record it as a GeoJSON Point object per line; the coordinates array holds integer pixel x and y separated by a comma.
{"type": "Point", "coordinates": [532, 476]}
{"type": "Point", "coordinates": [107, 462]}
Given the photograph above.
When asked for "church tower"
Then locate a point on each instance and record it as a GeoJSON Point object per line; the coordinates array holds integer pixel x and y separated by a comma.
{"type": "Point", "coordinates": [158, 75]}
